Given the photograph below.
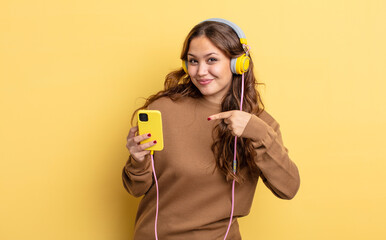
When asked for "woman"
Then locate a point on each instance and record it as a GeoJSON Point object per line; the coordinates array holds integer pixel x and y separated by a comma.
{"type": "Point", "coordinates": [200, 112]}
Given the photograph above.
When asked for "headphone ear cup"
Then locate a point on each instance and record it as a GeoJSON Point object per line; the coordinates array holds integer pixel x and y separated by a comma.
{"type": "Point", "coordinates": [185, 66]}
{"type": "Point", "coordinates": [233, 65]}
{"type": "Point", "coordinates": [240, 65]}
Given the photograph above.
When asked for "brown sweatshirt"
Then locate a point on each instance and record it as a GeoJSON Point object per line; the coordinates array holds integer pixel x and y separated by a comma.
{"type": "Point", "coordinates": [195, 198]}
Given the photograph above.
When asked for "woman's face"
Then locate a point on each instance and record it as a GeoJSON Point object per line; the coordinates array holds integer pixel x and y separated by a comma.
{"type": "Point", "coordinates": [209, 69]}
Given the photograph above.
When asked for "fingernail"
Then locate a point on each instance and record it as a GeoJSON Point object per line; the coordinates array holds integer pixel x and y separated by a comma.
{"type": "Point", "coordinates": [155, 141]}
{"type": "Point", "coordinates": [209, 118]}
{"type": "Point", "coordinates": [149, 135]}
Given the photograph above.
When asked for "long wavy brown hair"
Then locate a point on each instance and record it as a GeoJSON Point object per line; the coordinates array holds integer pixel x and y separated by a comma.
{"type": "Point", "coordinates": [178, 85]}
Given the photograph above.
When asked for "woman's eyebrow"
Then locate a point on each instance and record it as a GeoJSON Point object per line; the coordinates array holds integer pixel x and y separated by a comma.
{"type": "Point", "coordinates": [190, 54]}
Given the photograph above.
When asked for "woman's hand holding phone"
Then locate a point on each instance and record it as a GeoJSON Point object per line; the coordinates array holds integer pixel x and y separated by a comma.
{"type": "Point", "coordinates": [136, 149]}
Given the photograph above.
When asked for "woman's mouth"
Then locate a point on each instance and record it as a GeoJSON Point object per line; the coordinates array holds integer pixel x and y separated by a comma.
{"type": "Point", "coordinates": [204, 81]}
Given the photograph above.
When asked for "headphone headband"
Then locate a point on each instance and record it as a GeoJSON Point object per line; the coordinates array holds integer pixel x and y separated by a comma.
{"type": "Point", "coordinates": [237, 29]}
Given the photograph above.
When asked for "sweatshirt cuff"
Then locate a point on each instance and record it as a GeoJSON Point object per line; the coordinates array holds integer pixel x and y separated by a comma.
{"type": "Point", "coordinates": [134, 166]}
{"type": "Point", "coordinates": [259, 132]}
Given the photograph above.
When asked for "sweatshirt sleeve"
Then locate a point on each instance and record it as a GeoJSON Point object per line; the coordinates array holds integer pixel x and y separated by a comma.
{"type": "Point", "coordinates": [278, 172]}
{"type": "Point", "coordinates": [137, 177]}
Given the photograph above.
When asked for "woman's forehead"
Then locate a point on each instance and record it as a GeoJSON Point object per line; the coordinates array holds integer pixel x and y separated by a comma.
{"type": "Point", "coordinates": [202, 46]}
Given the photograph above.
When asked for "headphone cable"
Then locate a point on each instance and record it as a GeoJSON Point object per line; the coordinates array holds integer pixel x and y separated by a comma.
{"type": "Point", "coordinates": [157, 189]}
{"type": "Point", "coordinates": [235, 159]}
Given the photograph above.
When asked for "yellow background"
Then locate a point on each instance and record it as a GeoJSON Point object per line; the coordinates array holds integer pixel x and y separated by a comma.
{"type": "Point", "coordinates": [72, 72]}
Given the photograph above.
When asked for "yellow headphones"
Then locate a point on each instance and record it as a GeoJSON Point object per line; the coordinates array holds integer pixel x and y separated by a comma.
{"type": "Point", "coordinates": [238, 65]}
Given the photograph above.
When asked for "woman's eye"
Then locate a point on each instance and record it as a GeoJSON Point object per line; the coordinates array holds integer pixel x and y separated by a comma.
{"type": "Point", "coordinates": [193, 61]}
{"type": "Point", "coordinates": [212, 60]}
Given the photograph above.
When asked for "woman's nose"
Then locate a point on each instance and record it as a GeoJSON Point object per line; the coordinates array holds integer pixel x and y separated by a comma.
{"type": "Point", "coordinates": [202, 69]}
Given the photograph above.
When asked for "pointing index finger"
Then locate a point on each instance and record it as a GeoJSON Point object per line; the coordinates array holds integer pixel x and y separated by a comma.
{"type": "Point", "coordinates": [221, 115]}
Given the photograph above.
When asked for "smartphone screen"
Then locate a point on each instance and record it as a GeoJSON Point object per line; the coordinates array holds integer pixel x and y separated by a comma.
{"type": "Point", "coordinates": [150, 121]}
